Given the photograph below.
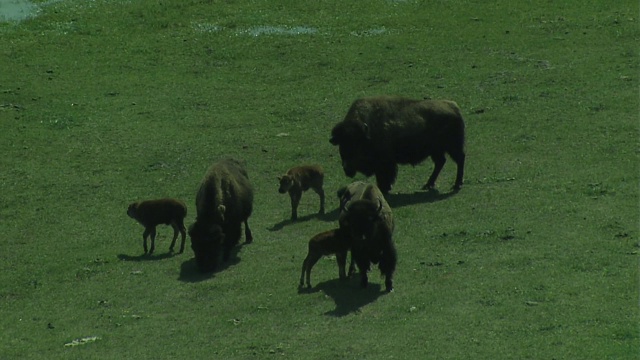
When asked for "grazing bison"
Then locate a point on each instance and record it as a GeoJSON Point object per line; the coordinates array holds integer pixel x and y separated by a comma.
{"type": "Point", "coordinates": [367, 220]}
{"type": "Point", "coordinates": [334, 241]}
{"type": "Point", "coordinates": [378, 133]}
{"type": "Point", "coordinates": [224, 201]}
{"type": "Point", "coordinates": [151, 213]}
{"type": "Point", "coordinates": [299, 179]}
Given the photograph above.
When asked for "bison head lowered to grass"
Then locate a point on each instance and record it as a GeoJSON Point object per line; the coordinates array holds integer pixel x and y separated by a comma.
{"type": "Point", "coordinates": [224, 201]}
{"type": "Point", "coordinates": [378, 133]}
{"type": "Point", "coordinates": [367, 221]}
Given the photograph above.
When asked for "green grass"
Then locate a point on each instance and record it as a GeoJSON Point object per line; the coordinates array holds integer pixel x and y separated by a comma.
{"type": "Point", "coordinates": [106, 102]}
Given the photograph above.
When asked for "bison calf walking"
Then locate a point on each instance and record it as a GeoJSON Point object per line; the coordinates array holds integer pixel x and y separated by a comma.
{"type": "Point", "coordinates": [327, 243]}
{"type": "Point", "coordinates": [378, 133]}
{"type": "Point", "coordinates": [299, 179]}
{"type": "Point", "coordinates": [151, 213]}
{"type": "Point", "coordinates": [367, 220]}
{"type": "Point", "coordinates": [224, 201]}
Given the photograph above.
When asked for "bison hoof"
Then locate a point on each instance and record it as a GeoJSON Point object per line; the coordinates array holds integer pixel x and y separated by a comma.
{"type": "Point", "coordinates": [302, 287]}
{"type": "Point", "coordinates": [428, 187]}
{"type": "Point", "coordinates": [389, 285]}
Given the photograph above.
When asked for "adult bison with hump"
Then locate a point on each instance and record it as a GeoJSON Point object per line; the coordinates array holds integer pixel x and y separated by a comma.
{"type": "Point", "coordinates": [366, 219]}
{"type": "Point", "coordinates": [378, 133]}
{"type": "Point", "coordinates": [224, 201]}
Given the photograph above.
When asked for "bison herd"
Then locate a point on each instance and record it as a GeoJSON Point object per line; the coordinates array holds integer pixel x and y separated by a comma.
{"type": "Point", "coordinates": [377, 134]}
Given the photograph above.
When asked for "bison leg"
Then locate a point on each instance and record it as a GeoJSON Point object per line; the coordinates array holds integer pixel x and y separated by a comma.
{"type": "Point", "coordinates": [386, 176]}
{"type": "Point", "coordinates": [352, 267]}
{"type": "Point", "coordinates": [150, 231]}
{"type": "Point", "coordinates": [307, 265]}
{"type": "Point", "coordinates": [183, 233]}
{"type": "Point", "coordinates": [458, 157]}
{"type": "Point", "coordinates": [248, 237]}
{"type": "Point", "coordinates": [388, 278]}
{"type": "Point", "coordinates": [364, 279]}
{"type": "Point", "coordinates": [320, 193]}
{"type": "Point", "coordinates": [388, 283]}
{"type": "Point", "coordinates": [145, 235]}
{"type": "Point", "coordinates": [176, 230]}
{"type": "Point", "coordinates": [388, 266]}
{"type": "Point", "coordinates": [304, 271]}
{"type": "Point", "coordinates": [341, 259]}
{"type": "Point", "coordinates": [438, 160]}
{"type": "Point", "coordinates": [363, 267]}
{"type": "Point", "coordinates": [295, 201]}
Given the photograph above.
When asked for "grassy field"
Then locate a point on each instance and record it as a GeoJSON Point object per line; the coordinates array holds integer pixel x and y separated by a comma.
{"type": "Point", "coordinates": [106, 102]}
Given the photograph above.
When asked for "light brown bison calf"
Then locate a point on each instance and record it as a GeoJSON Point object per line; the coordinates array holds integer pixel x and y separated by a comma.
{"type": "Point", "coordinates": [327, 243]}
{"type": "Point", "coordinates": [299, 179]}
{"type": "Point", "coordinates": [151, 213]}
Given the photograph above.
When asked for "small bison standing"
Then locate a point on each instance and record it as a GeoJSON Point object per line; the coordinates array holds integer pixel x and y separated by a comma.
{"type": "Point", "coordinates": [299, 179]}
{"type": "Point", "coordinates": [378, 133]}
{"type": "Point", "coordinates": [224, 201]}
{"type": "Point", "coordinates": [367, 220]}
{"type": "Point", "coordinates": [334, 241]}
{"type": "Point", "coordinates": [151, 213]}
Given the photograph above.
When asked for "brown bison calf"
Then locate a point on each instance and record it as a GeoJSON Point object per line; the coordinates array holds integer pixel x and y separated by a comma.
{"type": "Point", "coordinates": [299, 179]}
{"type": "Point", "coordinates": [327, 243]}
{"type": "Point", "coordinates": [151, 213]}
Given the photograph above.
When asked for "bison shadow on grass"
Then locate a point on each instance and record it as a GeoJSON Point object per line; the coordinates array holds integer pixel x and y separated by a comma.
{"type": "Point", "coordinates": [189, 271]}
{"type": "Point", "coordinates": [418, 197]}
{"type": "Point", "coordinates": [326, 217]}
{"type": "Point", "coordinates": [146, 257]}
{"type": "Point", "coordinates": [347, 295]}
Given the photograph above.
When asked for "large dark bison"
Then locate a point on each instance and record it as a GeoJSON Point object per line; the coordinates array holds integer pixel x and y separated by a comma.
{"type": "Point", "coordinates": [224, 201]}
{"type": "Point", "coordinates": [378, 133]}
{"type": "Point", "coordinates": [367, 219]}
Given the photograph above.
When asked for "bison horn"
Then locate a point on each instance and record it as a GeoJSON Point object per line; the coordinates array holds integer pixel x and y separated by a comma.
{"type": "Point", "coordinates": [344, 206]}
{"type": "Point", "coordinates": [367, 133]}
{"type": "Point", "coordinates": [379, 207]}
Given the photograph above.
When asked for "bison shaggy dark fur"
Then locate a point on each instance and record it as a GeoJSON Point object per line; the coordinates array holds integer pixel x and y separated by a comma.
{"type": "Point", "coordinates": [151, 213]}
{"type": "Point", "coordinates": [223, 202]}
{"type": "Point", "coordinates": [299, 179]}
{"type": "Point", "coordinates": [378, 133]}
{"type": "Point", "coordinates": [367, 220]}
